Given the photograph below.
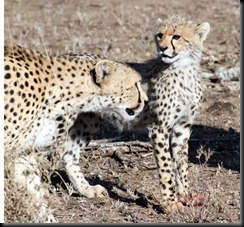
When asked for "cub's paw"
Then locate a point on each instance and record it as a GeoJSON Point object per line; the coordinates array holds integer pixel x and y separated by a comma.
{"type": "Point", "coordinates": [196, 200]}
{"type": "Point", "coordinates": [174, 207]}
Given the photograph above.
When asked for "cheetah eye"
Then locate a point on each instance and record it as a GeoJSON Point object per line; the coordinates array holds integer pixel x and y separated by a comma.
{"type": "Point", "coordinates": [176, 37]}
{"type": "Point", "coordinates": [159, 36]}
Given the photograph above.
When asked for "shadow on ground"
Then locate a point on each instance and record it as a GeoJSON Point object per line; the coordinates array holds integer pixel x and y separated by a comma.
{"type": "Point", "coordinates": [224, 145]}
{"type": "Point", "coordinates": [139, 199]}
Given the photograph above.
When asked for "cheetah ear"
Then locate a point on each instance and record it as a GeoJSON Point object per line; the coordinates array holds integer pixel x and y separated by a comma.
{"type": "Point", "coordinates": [103, 68]}
{"type": "Point", "coordinates": [202, 30]}
{"type": "Point", "coordinates": [159, 22]}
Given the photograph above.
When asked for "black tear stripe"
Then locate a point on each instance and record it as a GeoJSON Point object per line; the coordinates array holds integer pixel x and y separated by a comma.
{"type": "Point", "coordinates": [172, 44]}
{"type": "Point", "coordinates": [139, 99]}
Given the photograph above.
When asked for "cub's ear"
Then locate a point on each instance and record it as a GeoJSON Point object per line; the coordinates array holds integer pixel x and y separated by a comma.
{"type": "Point", "coordinates": [103, 68]}
{"type": "Point", "coordinates": [159, 22]}
{"type": "Point", "coordinates": [202, 30]}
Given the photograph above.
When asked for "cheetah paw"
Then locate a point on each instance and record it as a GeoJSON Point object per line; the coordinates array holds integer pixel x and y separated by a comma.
{"type": "Point", "coordinates": [196, 200]}
{"type": "Point", "coordinates": [97, 191]}
{"type": "Point", "coordinates": [174, 207]}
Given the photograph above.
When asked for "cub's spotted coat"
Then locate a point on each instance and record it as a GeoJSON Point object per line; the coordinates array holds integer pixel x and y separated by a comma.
{"type": "Point", "coordinates": [174, 90]}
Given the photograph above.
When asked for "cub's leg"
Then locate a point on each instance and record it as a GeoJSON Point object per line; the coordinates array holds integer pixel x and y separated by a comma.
{"type": "Point", "coordinates": [27, 173]}
{"type": "Point", "coordinates": [80, 136]}
{"type": "Point", "coordinates": [160, 140]}
{"type": "Point", "coordinates": [179, 144]}
{"type": "Point", "coordinates": [180, 137]}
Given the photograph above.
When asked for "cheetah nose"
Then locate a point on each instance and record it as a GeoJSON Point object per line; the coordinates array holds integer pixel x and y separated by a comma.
{"type": "Point", "coordinates": [163, 48]}
{"type": "Point", "coordinates": [130, 111]}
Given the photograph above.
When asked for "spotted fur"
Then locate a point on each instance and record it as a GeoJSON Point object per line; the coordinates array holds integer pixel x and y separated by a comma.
{"type": "Point", "coordinates": [59, 102]}
{"type": "Point", "coordinates": [174, 90]}
{"type": "Point", "coordinates": [172, 83]}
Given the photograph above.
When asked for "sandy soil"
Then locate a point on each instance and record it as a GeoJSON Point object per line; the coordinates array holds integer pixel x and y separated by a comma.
{"type": "Point", "coordinates": [123, 30]}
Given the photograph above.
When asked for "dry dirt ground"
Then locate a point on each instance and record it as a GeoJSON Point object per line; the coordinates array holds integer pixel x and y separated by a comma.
{"type": "Point", "coordinates": [124, 164]}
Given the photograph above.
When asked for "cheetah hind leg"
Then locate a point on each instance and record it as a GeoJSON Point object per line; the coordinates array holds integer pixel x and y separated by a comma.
{"type": "Point", "coordinates": [180, 137]}
{"type": "Point", "coordinates": [27, 174]}
{"type": "Point", "coordinates": [179, 143]}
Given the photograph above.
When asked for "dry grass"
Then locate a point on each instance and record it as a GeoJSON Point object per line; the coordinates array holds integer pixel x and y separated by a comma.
{"type": "Point", "coordinates": [19, 204]}
{"type": "Point", "coordinates": [124, 30]}
{"type": "Point", "coordinates": [17, 200]}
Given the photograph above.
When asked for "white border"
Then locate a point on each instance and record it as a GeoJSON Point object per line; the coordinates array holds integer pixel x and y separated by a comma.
{"type": "Point", "coordinates": [1, 113]}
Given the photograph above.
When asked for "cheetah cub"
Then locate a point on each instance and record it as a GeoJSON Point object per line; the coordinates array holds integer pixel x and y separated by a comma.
{"type": "Point", "coordinates": [174, 92]}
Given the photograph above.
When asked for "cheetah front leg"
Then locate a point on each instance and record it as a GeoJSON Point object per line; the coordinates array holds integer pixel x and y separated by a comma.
{"type": "Point", "coordinates": [160, 140]}
{"type": "Point", "coordinates": [80, 136]}
{"type": "Point", "coordinates": [71, 163]}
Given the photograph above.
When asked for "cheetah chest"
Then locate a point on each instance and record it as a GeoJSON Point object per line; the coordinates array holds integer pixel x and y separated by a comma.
{"type": "Point", "coordinates": [46, 134]}
{"type": "Point", "coordinates": [185, 89]}
{"type": "Point", "coordinates": [41, 135]}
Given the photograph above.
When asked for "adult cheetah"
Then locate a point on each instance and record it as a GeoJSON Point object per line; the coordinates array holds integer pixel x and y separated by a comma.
{"type": "Point", "coordinates": [174, 90]}
{"type": "Point", "coordinates": [58, 101]}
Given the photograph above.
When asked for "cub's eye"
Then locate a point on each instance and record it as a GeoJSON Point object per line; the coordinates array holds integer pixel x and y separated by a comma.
{"type": "Point", "coordinates": [176, 37]}
{"type": "Point", "coordinates": [159, 35]}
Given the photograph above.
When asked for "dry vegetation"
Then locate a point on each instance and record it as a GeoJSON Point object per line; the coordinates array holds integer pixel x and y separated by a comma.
{"type": "Point", "coordinates": [123, 30]}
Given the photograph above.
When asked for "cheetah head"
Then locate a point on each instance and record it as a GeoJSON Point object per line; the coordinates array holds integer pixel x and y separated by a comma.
{"type": "Point", "coordinates": [121, 87]}
{"type": "Point", "coordinates": [180, 41]}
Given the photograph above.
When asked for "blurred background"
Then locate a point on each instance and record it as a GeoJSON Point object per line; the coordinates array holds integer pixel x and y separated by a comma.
{"type": "Point", "coordinates": [124, 30]}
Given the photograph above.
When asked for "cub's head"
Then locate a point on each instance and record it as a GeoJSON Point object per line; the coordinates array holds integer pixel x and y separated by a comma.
{"type": "Point", "coordinates": [180, 41]}
{"type": "Point", "coordinates": [121, 87]}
